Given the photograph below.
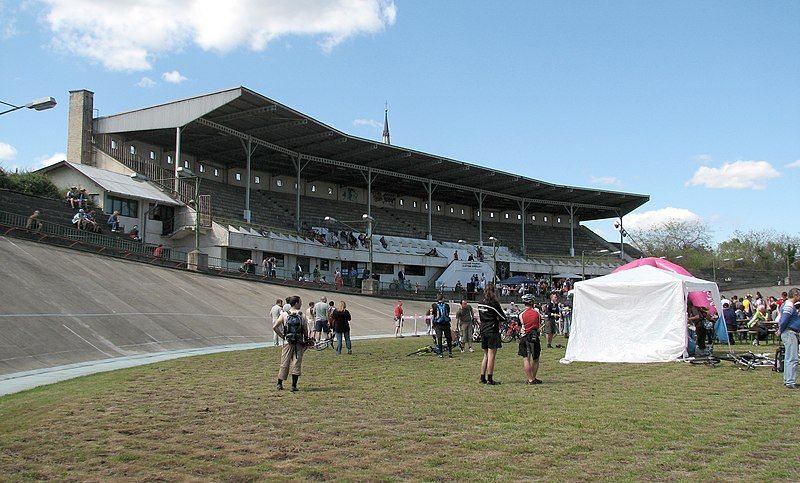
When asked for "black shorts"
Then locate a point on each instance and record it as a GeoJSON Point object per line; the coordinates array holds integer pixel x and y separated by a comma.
{"type": "Point", "coordinates": [321, 326]}
{"type": "Point", "coordinates": [530, 346]}
{"type": "Point", "coordinates": [491, 341]}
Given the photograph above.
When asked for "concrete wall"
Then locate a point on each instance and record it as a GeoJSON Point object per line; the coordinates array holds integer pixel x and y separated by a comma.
{"type": "Point", "coordinates": [79, 127]}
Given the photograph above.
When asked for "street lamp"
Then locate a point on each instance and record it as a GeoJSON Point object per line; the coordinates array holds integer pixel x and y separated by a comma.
{"type": "Point", "coordinates": [41, 104]}
{"type": "Point", "coordinates": [365, 218]}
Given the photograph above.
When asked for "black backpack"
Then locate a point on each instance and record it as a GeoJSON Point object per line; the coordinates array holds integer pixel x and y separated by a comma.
{"type": "Point", "coordinates": [294, 333]}
{"type": "Point", "coordinates": [443, 314]}
{"type": "Point", "coordinates": [780, 355]}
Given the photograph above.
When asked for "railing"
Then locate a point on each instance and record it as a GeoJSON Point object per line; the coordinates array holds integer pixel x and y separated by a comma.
{"type": "Point", "coordinates": [181, 188]}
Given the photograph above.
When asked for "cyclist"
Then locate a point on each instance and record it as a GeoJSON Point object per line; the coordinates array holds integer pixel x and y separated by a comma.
{"type": "Point", "coordinates": [529, 345]}
{"type": "Point", "coordinates": [491, 313]}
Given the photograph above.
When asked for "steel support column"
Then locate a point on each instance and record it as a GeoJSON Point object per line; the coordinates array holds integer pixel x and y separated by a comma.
{"type": "Point", "coordinates": [621, 239]}
{"type": "Point", "coordinates": [430, 188]}
{"type": "Point", "coordinates": [523, 205]}
{"type": "Point", "coordinates": [248, 148]}
{"type": "Point", "coordinates": [480, 195]}
{"type": "Point", "coordinates": [177, 157]}
{"type": "Point", "coordinates": [369, 178]}
{"type": "Point", "coordinates": [571, 211]}
{"type": "Point", "coordinates": [298, 165]}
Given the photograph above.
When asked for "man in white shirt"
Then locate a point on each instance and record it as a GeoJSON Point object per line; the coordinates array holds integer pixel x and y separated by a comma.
{"type": "Point", "coordinates": [274, 313]}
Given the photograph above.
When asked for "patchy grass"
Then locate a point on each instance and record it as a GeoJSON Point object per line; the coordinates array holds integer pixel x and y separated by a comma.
{"type": "Point", "coordinates": [379, 415]}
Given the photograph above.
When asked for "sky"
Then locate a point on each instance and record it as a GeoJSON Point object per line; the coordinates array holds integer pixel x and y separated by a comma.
{"type": "Point", "coordinates": [695, 103]}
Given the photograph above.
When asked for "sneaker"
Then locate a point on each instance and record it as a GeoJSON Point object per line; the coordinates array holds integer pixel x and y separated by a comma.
{"type": "Point", "coordinates": [493, 383]}
{"type": "Point", "coordinates": [293, 389]}
{"type": "Point", "coordinates": [441, 356]}
{"type": "Point", "coordinates": [792, 386]}
{"type": "Point", "coordinates": [537, 381]}
{"type": "Point", "coordinates": [450, 356]}
{"type": "Point", "coordinates": [350, 352]}
{"type": "Point", "coordinates": [549, 346]}
{"type": "Point", "coordinates": [471, 349]}
{"type": "Point", "coordinates": [462, 350]}
{"type": "Point", "coordinates": [279, 386]}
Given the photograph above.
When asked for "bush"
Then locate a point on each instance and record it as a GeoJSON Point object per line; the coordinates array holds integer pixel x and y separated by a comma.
{"type": "Point", "coordinates": [30, 183]}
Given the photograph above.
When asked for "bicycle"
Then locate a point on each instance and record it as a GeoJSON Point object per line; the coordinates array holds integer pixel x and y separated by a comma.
{"type": "Point", "coordinates": [510, 330]}
{"type": "Point", "coordinates": [322, 344]}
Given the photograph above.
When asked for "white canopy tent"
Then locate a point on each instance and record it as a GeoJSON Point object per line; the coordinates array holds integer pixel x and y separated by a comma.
{"type": "Point", "coordinates": [636, 315]}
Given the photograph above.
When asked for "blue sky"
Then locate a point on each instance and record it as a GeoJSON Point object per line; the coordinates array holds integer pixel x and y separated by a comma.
{"type": "Point", "coordinates": [695, 103]}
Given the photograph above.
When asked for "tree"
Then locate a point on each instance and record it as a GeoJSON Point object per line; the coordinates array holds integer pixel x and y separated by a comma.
{"type": "Point", "coordinates": [760, 249]}
{"type": "Point", "coordinates": [673, 238]}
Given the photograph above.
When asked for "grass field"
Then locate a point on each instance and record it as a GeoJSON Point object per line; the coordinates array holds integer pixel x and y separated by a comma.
{"type": "Point", "coordinates": [379, 415]}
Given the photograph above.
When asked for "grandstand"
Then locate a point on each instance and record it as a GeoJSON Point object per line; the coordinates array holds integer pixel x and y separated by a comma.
{"type": "Point", "coordinates": [271, 175]}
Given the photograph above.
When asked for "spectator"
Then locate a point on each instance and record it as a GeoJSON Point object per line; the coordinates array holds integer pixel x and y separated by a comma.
{"type": "Point", "coordinates": [113, 221]}
{"type": "Point", "coordinates": [290, 326]}
{"type": "Point", "coordinates": [338, 280]}
{"type": "Point", "coordinates": [429, 320]}
{"type": "Point", "coordinates": [72, 197]}
{"type": "Point", "coordinates": [341, 326]}
{"type": "Point", "coordinates": [470, 258]}
{"type": "Point", "coordinates": [90, 223]}
{"type": "Point", "coordinates": [81, 198]}
{"type": "Point", "coordinates": [441, 325]}
{"type": "Point", "coordinates": [696, 318]}
{"type": "Point", "coordinates": [455, 255]}
{"type": "Point", "coordinates": [33, 222]}
{"type": "Point", "coordinates": [158, 251]}
{"type": "Point", "coordinates": [466, 322]}
{"type": "Point", "coordinates": [401, 277]}
{"type": "Point", "coordinates": [134, 234]}
{"type": "Point", "coordinates": [383, 243]}
{"type": "Point", "coordinates": [789, 332]}
{"type": "Point", "coordinates": [321, 318]}
{"type": "Point", "coordinates": [77, 220]}
{"type": "Point", "coordinates": [398, 319]}
{"type": "Point", "coordinates": [298, 272]}
{"type": "Point", "coordinates": [479, 252]}
{"type": "Point", "coordinates": [759, 323]}
{"type": "Point", "coordinates": [316, 273]}
{"type": "Point", "coordinates": [730, 319]}
{"type": "Point", "coordinates": [275, 313]}
{"type": "Point", "coordinates": [310, 317]}
{"type": "Point", "coordinates": [553, 311]}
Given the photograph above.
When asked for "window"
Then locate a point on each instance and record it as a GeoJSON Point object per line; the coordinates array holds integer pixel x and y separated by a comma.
{"type": "Point", "coordinates": [237, 255]}
{"type": "Point", "coordinates": [383, 268]}
{"type": "Point", "coordinates": [133, 149]}
{"type": "Point", "coordinates": [330, 191]}
{"type": "Point", "coordinates": [426, 206]}
{"type": "Point", "coordinates": [478, 214]}
{"type": "Point", "coordinates": [491, 214]}
{"type": "Point", "coordinates": [113, 144]}
{"type": "Point", "coordinates": [216, 172]}
{"type": "Point", "coordinates": [558, 220]}
{"type": "Point", "coordinates": [438, 207]}
{"type": "Point", "coordinates": [414, 270]}
{"type": "Point", "coordinates": [313, 188]}
{"type": "Point", "coordinates": [125, 206]}
{"type": "Point", "coordinates": [169, 159]}
{"type": "Point", "coordinates": [413, 204]}
{"type": "Point", "coordinates": [401, 202]}
{"type": "Point", "coordinates": [519, 217]}
{"type": "Point", "coordinates": [506, 216]}
{"type": "Point", "coordinates": [279, 183]}
{"type": "Point", "coordinates": [152, 155]}
{"type": "Point", "coordinates": [186, 164]}
{"type": "Point", "coordinates": [533, 217]}
{"type": "Point", "coordinates": [462, 211]}
{"type": "Point", "coordinates": [279, 261]}
{"type": "Point", "coordinates": [238, 176]}
{"type": "Point", "coordinates": [324, 265]}
{"type": "Point", "coordinates": [257, 180]}
{"type": "Point", "coordinates": [452, 210]}
{"type": "Point", "coordinates": [201, 168]}
{"type": "Point", "coordinates": [295, 186]}
{"type": "Point", "coordinates": [545, 219]}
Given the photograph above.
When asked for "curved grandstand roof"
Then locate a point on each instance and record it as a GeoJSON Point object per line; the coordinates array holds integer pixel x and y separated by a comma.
{"type": "Point", "coordinates": [215, 126]}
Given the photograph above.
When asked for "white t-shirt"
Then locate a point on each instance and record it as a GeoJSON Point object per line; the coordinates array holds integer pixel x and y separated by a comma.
{"type": "Point", "coordinates": [275, 312]}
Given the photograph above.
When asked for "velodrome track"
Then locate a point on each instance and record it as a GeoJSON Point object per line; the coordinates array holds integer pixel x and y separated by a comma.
{"type": "Point", "coordinates": [62, 307]}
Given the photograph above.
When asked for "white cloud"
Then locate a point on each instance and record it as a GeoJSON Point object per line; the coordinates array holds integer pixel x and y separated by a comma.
{"type": "Point", "coordinates": [44, 161]}
{"type": "Point", "coordinates": [173, 77]}
{"type": "Point", "coordinates": [605, 180]}
{"type": "Point", "coordinates": [648, 219]}
{"type": "Point", "coordinates": [8, 21]}
{"type": "Point", "coordinates": [146, 82]}
{"type": "Point", "coordinates": [128, 34]}
{"type": "Point", "coordinates": [368, 122]}
{"type": "Point", "coordinates": [7, 152]}
{"type": "Point", "coordinates": [737, 175]}
{"type": "Point", "coordinates": [794, 164]}
{"type": "Point", "coordinates": [702, 158]}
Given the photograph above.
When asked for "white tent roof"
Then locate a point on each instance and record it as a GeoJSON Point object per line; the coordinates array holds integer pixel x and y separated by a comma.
{"type": "Point", "coordinates": [636, 315]}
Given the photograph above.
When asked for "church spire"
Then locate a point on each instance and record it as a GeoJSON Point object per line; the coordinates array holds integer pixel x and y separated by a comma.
{"type": "Point", "coordinates": [386, 124]}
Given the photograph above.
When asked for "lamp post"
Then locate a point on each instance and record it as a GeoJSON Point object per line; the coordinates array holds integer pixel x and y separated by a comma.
{"type": "Point", "coordinates": [369, 220]}
{"type": "Point", "coordinates": [41, 104]}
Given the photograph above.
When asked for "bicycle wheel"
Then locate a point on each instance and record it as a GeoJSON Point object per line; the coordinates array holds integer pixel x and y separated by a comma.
{"type": "Point", "coordinates": [506, 333]}
{"type": "Point", "coordinates": [322, 345]}
{"type": "Point", "coordinates": [705, 361]}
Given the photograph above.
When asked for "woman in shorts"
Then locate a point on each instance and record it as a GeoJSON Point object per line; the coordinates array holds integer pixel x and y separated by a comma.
{"type": "Point", "coordinates": [491, 313]}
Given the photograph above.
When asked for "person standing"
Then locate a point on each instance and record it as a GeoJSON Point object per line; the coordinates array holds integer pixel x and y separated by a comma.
{"type": "Point", "coordinates": [696, 318]}
{"type": "Point", "coordinates": [275, 313]}
{"type": "Point", "coordinates": [291, 326]}
{"type": "Point", "coordinates": [441, 326]}
{"type": "Point", "coordinates": [310, 317]}
{"type": "Point", "coordinates": [398, 319]}
{"type": "Point", "coordinates": [529, 345]}
{"type": "Point", "coordinates": [491, 314]}
{"type": "Point", "coordinates": [466, 321]}
{"type": "Point", "coordinates": [321, 318]}
{"type": "Point", "coordinates": [552, 310]}
{"type": "Point", "coordinates": [789, 332]}
{"type": "Point", "coordinates": [341, 326]}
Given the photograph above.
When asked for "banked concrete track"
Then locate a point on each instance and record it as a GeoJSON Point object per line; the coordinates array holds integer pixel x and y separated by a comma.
{"type": "Point", "coordinates": [59, 307]}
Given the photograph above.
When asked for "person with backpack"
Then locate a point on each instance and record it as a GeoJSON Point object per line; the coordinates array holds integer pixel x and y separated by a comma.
{"type": "Point", "coordinates": [292, 327]}
{"type": "Point", "coordinates": [491, 313]}
{"type": "Point", "coordinates": [441, 325]}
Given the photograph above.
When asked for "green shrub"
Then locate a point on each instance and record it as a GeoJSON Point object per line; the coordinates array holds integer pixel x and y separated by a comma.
{"type": "Point", "coordinates": [32, 184]}
{"type": "Point", "coordinates": [4, 181]}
